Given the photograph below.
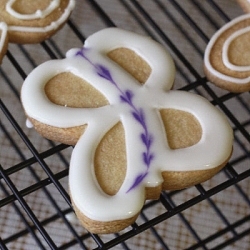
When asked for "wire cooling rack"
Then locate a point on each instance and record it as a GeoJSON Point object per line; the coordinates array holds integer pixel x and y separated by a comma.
{"type": "Point", "coordinates": [35, 209]}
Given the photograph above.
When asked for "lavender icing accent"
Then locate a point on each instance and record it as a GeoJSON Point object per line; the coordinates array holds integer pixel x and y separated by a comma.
{"type": "Point", "coordinates": [138, 114]}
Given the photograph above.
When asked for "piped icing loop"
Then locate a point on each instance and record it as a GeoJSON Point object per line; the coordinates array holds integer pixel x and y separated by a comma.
{"type": "Point", "coordinates": [225, 50]}
{"type": "Point", "coordinates": [38, 14]}
{"type": "Point", "coordinates": [138, 108]}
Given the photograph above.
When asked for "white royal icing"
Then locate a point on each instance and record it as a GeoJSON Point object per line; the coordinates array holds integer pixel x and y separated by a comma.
{"type": "Point", "coordinates": [37, 15]}
{"type": "Point", "coordinates": [3, 28]}
{"type": "Point", "coordinates": [115, 84]}
{"type": "Point", "coordinates": [28, 124]}
{"type": "Point", "coordinates": [41, 14]}
{"type": "Point", "coordinates": [71, 217]}
{"type": "Point", "coordinates": [225, 48]}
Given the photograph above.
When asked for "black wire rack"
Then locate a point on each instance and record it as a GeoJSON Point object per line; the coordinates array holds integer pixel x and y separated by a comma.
{"type": "Point", "coordinates": [35, 209]}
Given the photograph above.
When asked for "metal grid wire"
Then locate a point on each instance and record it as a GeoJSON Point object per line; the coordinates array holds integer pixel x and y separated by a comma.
{"type": "Point", "coordinates": [35, 209]}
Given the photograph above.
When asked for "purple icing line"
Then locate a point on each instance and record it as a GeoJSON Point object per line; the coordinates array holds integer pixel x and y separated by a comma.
{"type": "Point", "coordinates": [138, 114]}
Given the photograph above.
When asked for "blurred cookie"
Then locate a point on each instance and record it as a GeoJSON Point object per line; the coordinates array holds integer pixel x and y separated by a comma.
{"type": "Point", "coordinates": [245, 5]}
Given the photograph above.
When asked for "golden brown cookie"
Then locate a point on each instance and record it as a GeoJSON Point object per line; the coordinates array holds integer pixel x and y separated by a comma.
{"type": "Point", "coordinates": [226, 59]}
{"type": "Point", "coordinates": [29, 21]}
{"type": "Point", "coordinates": [133, 135]}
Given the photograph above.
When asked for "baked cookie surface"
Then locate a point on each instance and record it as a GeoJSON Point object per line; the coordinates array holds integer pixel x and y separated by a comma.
{"type": "Point", "coordinates": [133, 135]}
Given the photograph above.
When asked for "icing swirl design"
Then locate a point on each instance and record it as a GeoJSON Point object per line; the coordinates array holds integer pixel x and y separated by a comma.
{"type": "Point", "coordinates": [231, 78]}
{"type": "Point", "coordinates": [38, 14]}
{"type": "Point", "coordinates": [15, 26]}
{"type": "Point", "coordinates": [225, 50]}
{"type": "Point", "coordinates": [137, 107]}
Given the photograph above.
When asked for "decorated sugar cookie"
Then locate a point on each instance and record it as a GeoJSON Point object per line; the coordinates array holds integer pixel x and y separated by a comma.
{"type": "Point", "coordinates": [30, 21]}
{"type": "Point", "coordinates": [133, 136]}
{"type": "Point", "coordinates": [227, 56]}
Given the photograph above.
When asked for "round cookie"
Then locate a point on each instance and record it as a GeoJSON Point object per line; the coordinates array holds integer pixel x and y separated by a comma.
{"type": "Point", "coordinates": [133, 135]}
{"type": "Point", "coordinates": [226, 59]}
{"type": "Point", "coordinates": [32, 21]}
{"type": "Point", "coordinates": [29, 21]}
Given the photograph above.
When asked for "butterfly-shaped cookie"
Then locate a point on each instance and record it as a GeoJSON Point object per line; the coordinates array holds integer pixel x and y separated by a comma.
{"type": "Point", "coordinates": [134, 136]}
{"type": "Point", "coordinates": [31, 21]}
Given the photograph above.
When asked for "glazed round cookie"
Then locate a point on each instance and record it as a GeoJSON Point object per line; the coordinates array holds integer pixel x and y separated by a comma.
{"type": "Point", "coordinates": [226, 59]}
{"type": "Point", "coordinates": [32, 21]}
{"type": "Point", "coordinates": [133, 135]}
